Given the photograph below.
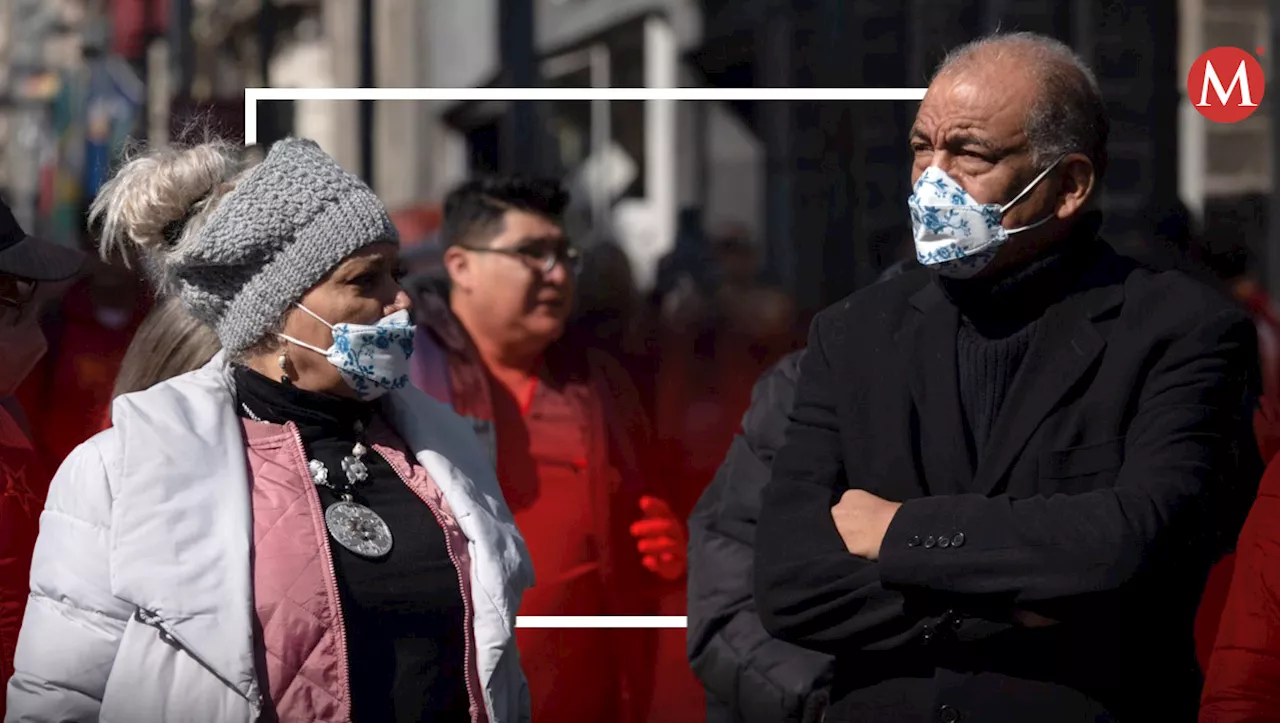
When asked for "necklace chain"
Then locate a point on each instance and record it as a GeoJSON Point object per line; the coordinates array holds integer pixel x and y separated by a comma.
{"type": "Point", "coordinates": [350, 524]}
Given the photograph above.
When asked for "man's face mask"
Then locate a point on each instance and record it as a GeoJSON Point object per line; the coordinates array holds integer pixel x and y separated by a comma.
{"type": "Point", "coordinates": [953, 232]}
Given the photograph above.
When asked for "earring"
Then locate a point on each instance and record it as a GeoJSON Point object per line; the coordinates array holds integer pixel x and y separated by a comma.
{"type": "Point", "coordinates": [283, 361]}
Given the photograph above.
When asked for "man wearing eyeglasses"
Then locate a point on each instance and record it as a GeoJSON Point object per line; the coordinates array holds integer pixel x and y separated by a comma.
{"type": "Point", "coordinates": [31, 273]}
{"type": "Point", "coordinates": [569, 439]}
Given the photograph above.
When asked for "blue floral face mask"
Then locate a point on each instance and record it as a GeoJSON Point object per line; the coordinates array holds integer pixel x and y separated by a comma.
{"type": "Point", "coordinates": [955, 233]}
{"type": "Point", "coordinates": [373, 358]}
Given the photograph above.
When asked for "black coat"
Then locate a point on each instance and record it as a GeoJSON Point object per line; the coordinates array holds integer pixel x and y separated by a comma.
{"type": "Point", "coordinates": [1120, 466]}
{"type": "Point", "coordinates": [749, 676]}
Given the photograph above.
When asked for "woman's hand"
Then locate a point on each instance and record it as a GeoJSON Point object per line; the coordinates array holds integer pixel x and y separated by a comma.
{"type": "Point", "coordinates": [660, 539]}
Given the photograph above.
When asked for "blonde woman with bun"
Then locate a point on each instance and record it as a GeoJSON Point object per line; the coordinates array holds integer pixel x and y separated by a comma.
{"type": "Point", "coordinates": [291, 532]}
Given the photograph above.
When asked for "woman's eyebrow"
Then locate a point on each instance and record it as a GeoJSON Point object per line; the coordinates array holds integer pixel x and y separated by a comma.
{"type": "Point", "coordinates": [355, 267]}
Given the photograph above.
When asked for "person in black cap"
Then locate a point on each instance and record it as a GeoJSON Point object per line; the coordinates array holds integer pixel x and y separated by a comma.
{"type": "Point", "coordinates": [25, 263]}
{"type": "Point", "coordinates": [27, 266]}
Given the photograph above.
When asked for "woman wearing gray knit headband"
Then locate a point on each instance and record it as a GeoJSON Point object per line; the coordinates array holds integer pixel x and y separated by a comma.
{"type": "Point", "coordinates": [292, 532]}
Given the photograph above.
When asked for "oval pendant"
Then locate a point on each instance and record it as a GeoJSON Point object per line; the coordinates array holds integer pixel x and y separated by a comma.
{"type": "Point", "coordinates": [358, 528]}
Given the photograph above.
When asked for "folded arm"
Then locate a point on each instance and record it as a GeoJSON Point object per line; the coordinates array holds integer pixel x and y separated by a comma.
{"type": "Point", "coordinates": [1189, 465]}
{"type": "Point", "coordinates": [808, 588]}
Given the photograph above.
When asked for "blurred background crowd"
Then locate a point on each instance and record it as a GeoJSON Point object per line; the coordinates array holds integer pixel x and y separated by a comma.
{"type": "Point", "coordinates": [711, 231]}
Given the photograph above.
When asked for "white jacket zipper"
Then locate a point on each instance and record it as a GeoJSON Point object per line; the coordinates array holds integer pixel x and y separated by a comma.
{"type": "Point", "coordinates": [169, 637]}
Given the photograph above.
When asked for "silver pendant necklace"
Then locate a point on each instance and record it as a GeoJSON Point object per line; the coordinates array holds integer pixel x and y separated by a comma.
{"type": "Point", "coordinates": [350, 524]}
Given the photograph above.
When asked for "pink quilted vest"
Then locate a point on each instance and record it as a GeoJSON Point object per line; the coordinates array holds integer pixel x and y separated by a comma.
{"type": "Point", "coordinates": [302, 642]}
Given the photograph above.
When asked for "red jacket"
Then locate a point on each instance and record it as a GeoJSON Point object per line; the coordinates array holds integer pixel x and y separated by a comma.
{"type": "Point", "coordinates": [24, 481]}
{"type": "Point", "coordinates": [1242, 682]}
{"type": "Point", "coordinates": [1266, 426]}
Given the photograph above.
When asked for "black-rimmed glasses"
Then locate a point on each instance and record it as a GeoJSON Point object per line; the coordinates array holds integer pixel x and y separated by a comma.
{"type": "Point", "coordinates": [539, 258]}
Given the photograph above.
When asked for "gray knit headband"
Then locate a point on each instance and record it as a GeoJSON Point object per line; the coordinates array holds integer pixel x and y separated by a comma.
{"type": "Point", "coordinates": [286, 225]}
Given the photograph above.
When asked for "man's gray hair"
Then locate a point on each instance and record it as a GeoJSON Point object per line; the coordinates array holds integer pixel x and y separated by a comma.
{"type": "Point", "coordinates": [1068, 114]}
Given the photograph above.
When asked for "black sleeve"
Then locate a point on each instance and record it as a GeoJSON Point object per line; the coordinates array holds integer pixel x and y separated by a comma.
{"type": "Point", "coordinates": [808, 588]}
{"type": "Point", "coordinates": [762, 679]}
{"type": "Point", "coordinates": [1189, 463]}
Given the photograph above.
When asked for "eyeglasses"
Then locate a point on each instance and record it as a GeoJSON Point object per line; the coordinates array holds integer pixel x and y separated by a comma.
{"type": "Point", "coordinates": [539, 258]}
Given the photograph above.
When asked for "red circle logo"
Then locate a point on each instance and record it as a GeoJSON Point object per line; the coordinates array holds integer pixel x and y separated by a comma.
{"type": "Point", "coordinates": [1226, 85]}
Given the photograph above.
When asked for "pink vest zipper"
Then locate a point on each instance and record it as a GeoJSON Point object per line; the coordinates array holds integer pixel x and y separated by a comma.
{"type": "Point", "coordinates": [414, 476]}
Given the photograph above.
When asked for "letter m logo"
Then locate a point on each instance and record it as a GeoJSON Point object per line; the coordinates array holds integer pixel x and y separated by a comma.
{"type": "Point", "coordinates": [1241, 78]}
{"type": "Point", "coordinates": [1226, 102]}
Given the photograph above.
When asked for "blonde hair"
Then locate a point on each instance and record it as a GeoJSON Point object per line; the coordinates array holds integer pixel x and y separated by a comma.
{"type": "Point", "coordinates": [169, 342]}
{"type": "Point", "coordinates": [157, 202]}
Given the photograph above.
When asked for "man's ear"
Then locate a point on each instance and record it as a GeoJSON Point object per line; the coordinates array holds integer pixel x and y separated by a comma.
{"type": "Point", "coordinates": [458, 264]}
{"type": "Point", "coordinates": [1079, 179]}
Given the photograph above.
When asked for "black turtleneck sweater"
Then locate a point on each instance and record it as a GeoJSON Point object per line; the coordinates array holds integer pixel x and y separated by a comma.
{"type": "Point", "coordinates": [999, 321]}
{"type": "Point", "coordinates": [404, 613]}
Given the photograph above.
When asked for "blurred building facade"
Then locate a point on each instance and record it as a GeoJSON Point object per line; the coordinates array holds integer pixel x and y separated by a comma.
{"type": "Point", "coordinates": [41, 46]}
{"type": "Point", "coordinates": [820, 186]}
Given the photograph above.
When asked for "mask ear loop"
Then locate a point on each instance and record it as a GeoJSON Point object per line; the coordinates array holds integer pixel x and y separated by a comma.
{"type": "Point", "coordinates": [303, 344]}
{"type": "Point", "coordinates": [1030, 186]}
{"type": "Point", "coordinates": [1030, 226]}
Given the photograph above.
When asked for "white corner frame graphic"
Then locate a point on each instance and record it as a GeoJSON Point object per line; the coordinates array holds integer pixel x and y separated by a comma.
{"type": "Point", "coordinates": [253, 95]}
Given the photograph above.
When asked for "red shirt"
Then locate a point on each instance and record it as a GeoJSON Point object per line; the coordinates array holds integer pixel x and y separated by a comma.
{"type": "Point", "coordinates": [542, 466]}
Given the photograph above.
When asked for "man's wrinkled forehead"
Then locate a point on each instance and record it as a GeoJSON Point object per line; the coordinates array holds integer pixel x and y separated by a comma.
{"type": "Point", "coordinates": [977, 104]}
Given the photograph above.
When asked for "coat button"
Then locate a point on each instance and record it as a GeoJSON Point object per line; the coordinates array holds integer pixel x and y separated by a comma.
{"type": "Point", "coordinates": [957, 539]}
{"type": "Point", "coordinates": [914, 541]}
{"type": "Point", "coordinates": [944, 541]}
{"type": "Point", "coordinates": [947, 714]}
{"type": "Point", "coordinates": [929, 541]}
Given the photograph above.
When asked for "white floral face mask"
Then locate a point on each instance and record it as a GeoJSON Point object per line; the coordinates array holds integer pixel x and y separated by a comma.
{"type": "Point", "coordinates": [954, 232]}
{"type": "Point", "coordinates": [373, 358]}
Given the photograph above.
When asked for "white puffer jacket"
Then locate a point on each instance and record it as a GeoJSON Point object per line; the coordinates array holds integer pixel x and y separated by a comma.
{"type": "Point", "coordinates": [154, 514]}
